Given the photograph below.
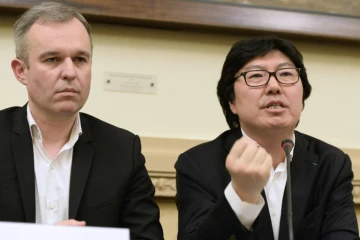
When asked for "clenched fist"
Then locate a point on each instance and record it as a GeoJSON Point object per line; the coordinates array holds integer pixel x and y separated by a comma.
{"type": "Point", "coordinates": [249, 166]}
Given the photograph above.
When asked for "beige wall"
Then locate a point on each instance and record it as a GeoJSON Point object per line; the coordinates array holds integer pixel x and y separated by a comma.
{"type": "Point", "coordinates": [187, 66]}
{"type": "Point", "coordinates": [168, 216]}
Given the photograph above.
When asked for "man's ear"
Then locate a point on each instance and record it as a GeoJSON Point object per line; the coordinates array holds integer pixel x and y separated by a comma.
{"type": "Point", "coordinates": [19, 69]}
{"type": "Point", "coordinates": [233, 108]}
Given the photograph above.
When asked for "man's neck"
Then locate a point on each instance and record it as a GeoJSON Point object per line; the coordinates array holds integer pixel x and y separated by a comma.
{"type": "Point", "coordinates": [55, 130]}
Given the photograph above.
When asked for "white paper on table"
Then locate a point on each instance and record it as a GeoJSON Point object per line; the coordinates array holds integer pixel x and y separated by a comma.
{"type": "Point", "coordinates": [22, 231]}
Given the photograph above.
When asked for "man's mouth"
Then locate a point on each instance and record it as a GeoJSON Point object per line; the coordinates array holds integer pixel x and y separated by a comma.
{"type": "Point", "coordinates": [68, 90]}
{"type": "Point", "coordinates": [274, 106]}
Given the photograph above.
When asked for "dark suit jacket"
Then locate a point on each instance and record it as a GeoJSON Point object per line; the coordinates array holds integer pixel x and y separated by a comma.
{"type": "Point", "coordinates": [321, 175]}
{"type": "Point", "coordinates": [109, 184]}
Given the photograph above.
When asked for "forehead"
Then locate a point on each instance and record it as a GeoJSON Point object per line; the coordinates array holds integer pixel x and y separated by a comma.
{"type": "Point", "coordinates": [272, 59]}
{"type": "Point", "coordinates": [58, 36]}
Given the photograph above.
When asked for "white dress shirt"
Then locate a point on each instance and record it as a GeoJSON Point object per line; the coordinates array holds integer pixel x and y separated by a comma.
{"type": "Point", "coordinates": [52, 176]}
{"type": "Point", "coordinates": [274, 191]}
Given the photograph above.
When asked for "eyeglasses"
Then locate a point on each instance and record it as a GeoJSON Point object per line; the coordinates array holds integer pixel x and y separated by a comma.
{"type": "Point", "coordinates": [257, 78]}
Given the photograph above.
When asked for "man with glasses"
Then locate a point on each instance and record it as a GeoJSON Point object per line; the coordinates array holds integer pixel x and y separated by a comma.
{"type": "Point", "coordinates": [234, 186]}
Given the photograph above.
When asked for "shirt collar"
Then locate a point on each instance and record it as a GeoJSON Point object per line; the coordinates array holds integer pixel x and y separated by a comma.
{"type": "Point", "coordinates": [35, 130]}
{"type": "Point", "coordinates": [293, 139]}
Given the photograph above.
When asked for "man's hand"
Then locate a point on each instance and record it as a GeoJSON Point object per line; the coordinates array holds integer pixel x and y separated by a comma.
{"type": "Point", "coordinates": [71, 222]}
{"type": "Point", "coordinates": [249, 166]}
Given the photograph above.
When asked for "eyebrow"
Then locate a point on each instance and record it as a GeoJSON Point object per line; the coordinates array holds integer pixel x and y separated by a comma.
{"type": "Point", "coordinates": [286, 64]}
{"type": "Point", "coordinates": [83, 53]}
{"type": "Point", "coordinates": [259, 67]}
{"type": "Point", "coordinates": [48, 54]}
{"type": "Point", "coordinates": [56, 53]}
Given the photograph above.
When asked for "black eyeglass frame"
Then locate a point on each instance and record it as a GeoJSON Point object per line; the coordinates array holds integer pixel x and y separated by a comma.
{"type": "Point", "coordinates": [270, 74]}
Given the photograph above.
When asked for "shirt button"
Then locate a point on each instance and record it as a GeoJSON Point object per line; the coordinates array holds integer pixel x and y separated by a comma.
{"type": "Point", "coordinates": [272, 213]}
{"type": "Point", "coordinates": [52, 206]}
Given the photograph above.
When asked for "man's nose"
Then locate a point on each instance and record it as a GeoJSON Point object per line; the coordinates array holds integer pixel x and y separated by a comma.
{"type": "Point", "coordinates": [273, 85]}
{"type": "Point", "coordinates": [68, 69]}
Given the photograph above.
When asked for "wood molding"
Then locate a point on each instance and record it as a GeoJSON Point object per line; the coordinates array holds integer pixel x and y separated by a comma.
{"type": "Point", "coordinates": [356, 192]}
{"type": "Point", "coordinates": [355, 159]}
{"type": "Point", "coordinates": [164, 186]}
{"type": "Point", "coordinates": [210, 17]}
{"type": "Point", "coordinates": [162, 153]}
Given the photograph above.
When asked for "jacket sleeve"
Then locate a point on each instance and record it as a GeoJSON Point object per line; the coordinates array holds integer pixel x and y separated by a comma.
{"type": "Point", "coordinates": [202, 214]}
{"type": "Point", "coordinates": [339, 216]}
{"type": "Point", "coordinates": [140, 212]}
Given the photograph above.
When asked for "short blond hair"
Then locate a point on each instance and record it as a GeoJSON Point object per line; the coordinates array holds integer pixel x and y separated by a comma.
{"type": "Point", "coordinates": [43, 13]}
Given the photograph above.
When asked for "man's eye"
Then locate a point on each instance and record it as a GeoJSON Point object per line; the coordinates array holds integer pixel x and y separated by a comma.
{"type": "Point", "coordinates": [286, 74]}
{"type": "Point", "coordinates": [80, 59]}
{"type": "Point", "coordinates": [255, 75]}
{"type": "Point", "coordinates": [51, 60]}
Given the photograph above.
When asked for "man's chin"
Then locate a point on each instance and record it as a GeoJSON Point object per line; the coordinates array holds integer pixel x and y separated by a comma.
{"type": "Point", "coordinates": [68, 109]}
{"type": "Point", "coordinates": [281, 126]}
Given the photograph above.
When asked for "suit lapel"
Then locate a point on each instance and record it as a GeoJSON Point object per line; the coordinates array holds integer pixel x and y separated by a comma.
{"type": "Point", "coordinates": [303, 168]}
{"type": "Point", "coordinates": [81, 164]}
{"type": "Point", "coordinates": [21, 143]}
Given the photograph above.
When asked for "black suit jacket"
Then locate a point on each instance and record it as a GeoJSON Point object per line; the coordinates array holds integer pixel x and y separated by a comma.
{"type": "Point", "coordinates": [321, 175]}
{"type": "Point", "coordinates": [109, 183]}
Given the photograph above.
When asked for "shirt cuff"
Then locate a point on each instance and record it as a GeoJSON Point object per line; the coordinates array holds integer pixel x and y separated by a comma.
{"type": "Point", "coordinates": [245, 212]}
